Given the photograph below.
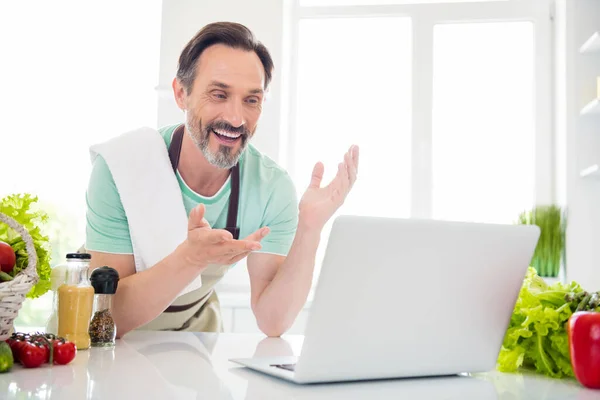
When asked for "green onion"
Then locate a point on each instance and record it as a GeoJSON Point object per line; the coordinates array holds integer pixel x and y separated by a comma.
{"type": "Point", "coordinates": [550, 249]}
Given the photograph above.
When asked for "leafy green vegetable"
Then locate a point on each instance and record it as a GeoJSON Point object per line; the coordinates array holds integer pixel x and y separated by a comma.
{"type": "Point", "coordinates": [22, 208]}
{"type": "Point", "coordinates": [537, 338]}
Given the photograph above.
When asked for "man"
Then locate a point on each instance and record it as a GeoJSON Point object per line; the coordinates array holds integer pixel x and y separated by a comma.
{"type": "Point", "coordinates": [223, 75]}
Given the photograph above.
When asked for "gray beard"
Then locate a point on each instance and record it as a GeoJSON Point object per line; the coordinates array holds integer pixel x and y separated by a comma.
{"type": "Point", "coordinates": [223, 158]}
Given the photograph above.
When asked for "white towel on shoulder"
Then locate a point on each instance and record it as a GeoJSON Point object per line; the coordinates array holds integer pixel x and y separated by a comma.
{"type": "Point", "coordinates": [150, 194]}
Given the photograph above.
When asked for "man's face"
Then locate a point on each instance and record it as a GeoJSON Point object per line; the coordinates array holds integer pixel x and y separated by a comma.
{"type": "Point", "coordinates": [225, 103]}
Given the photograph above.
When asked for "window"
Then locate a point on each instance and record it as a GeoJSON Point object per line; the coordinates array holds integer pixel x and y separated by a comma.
{"type": "Point", "coordinates": [68, 81]}
{"type": "Point", "coordinates": [352, 96]}
{"type": "Point", "coordinates": [448, 100]}
{"type": "Point", "coordinates": [345, 96]}
{"type": "Point", "coordinates": [483, 121]}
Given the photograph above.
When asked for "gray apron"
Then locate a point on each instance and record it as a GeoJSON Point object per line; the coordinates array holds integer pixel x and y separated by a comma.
{"type": "Point", "coordinates": [196, 311]}
{"type": "Point", "coordinates": [199, 310]}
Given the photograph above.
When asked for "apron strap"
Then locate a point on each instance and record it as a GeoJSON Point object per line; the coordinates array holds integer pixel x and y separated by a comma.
{"type": "Point", "coordinates": [175, 147]}
{"type": "Point", "coordinates": [185, 307]}
{"type": "Point", "coordinates": [174, 155]}
{"type": "Point", "coordinates": [234, 199]}
{"type": "Point", "coordinates": [234, 196]}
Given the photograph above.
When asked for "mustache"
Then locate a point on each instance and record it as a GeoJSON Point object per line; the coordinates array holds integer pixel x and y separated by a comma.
{"type": "Point", "coordinates": [225, 126]}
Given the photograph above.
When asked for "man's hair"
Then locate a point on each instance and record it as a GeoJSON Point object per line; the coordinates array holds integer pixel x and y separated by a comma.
{"type": "Point", "coordinates": [231, 34]}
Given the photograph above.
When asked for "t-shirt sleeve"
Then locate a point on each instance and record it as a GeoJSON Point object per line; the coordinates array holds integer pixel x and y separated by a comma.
{"type": "Point", "coordinates": [107, 229]}
{"type": "Point", "coordinates": [281, 216]}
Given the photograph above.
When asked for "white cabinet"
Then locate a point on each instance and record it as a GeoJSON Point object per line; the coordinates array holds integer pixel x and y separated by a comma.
{"type": "Point", "coordinates": [591, 49]}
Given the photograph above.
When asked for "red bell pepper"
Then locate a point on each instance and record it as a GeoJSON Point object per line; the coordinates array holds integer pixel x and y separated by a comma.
{"type": "Point", "coordinates": [584, 347]}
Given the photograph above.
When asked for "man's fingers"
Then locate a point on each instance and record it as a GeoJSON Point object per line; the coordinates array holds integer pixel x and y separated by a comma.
{"type": "Point", "coordinates": [344, 180]}
{"type": "Point", "coordinates": [336, 181]}
{"type": "Point", "coordinates": [250, 244]}
{"type": "Point", "coordinates": [317, 175]}
{"type": "Point", "coordinates": [259, 234]}
{"type": "Point", "coordinates": [239, 246]}
{"type": "Point", "coordinates": [237, 258]}
{"type": "Point", "coordinates": [351, 168]}
{"type": "Point", "coordinates": [220, 235]}
{"type": "Point", "coordinates": [354, 153]}
{"type": "Point", "coordinates": [196, 219]}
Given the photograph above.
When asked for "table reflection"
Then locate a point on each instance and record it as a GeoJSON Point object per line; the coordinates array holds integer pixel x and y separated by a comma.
{"type": "Point", "coordinates": [195, 366]}
{"type": "Point", "coordinates": [261, 386]}
{"type": "Point", "coordinates": [194, 376]}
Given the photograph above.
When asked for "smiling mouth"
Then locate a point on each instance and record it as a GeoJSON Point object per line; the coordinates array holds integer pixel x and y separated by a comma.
{"type": "Point", "coordinates": [226, 136]}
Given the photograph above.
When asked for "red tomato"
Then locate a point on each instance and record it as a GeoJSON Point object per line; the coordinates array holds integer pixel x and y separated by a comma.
{"type": "Point", "coordinates": [8, 258]}
{"type": "Point", "coordinates": [15, 346]}
{"type": "Point", "coordinates": [64, 352]}
{"type": "Point", "coordinates": [32, 355]}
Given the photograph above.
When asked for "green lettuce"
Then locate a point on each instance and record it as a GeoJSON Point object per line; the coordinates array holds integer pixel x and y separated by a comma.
{"type": "Point", "coordinates": [537, 338]}
{"type": "Point", "coordinates": [22, 208]}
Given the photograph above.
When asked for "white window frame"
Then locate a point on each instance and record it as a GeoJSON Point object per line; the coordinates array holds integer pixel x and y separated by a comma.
{"type": "Point", "coordinates": [424, 18]}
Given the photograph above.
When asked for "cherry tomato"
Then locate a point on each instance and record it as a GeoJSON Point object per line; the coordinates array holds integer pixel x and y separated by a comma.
{"type": "Point", "coordinates": [15, 346]}
{"type": "Point", "coordinates": [33, 354]}
{"type": "Point", "coordinates": [64, 352]}
{"type": "Point", "coordinates": [8, 257]}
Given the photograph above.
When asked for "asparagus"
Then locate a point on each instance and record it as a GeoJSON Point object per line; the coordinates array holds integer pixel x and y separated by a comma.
{"type": "Point", "coordinates": [583, 301]}
{"type": "Point", "coordinates": [594, 300]}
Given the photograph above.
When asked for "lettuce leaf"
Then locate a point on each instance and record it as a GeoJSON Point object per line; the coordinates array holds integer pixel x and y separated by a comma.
{"type": "Point", "coordinates": [22, 208]}
{"type": "Point", "coordinates": [536, 337]}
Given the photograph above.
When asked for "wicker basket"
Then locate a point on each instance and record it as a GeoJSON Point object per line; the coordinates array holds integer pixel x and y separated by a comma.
{"type": "Point", "coordinates": [12, 293]}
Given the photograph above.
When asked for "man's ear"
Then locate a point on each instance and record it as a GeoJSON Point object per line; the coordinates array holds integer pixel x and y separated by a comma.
{"type": "Point", "coordinates": [179, 93]}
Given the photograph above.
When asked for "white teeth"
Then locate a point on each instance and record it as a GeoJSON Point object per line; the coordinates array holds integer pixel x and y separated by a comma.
{"type": "Point", "coordinates": [228, 134]}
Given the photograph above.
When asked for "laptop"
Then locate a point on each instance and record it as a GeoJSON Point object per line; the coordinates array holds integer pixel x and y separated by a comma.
{"type": "Point", "coordinates": [402, 298]}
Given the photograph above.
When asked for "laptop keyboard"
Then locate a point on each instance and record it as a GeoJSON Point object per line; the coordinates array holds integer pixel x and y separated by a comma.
{"type": "Point", "coordinates": [288, 367]}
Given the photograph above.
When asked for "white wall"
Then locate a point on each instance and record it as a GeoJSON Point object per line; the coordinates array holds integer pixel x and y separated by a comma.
{"type": "Point", "coordinates": [581, 135]}
{"type": "Point", "coordinates": [181, 20]}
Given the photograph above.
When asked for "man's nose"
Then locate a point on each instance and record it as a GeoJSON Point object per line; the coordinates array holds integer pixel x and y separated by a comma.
{"type": "Point", "coordinates": [234, 113]}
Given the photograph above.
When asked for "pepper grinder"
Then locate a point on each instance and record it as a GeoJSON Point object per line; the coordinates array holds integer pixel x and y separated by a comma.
{"type": "Point", "coordinates": [103, 329]}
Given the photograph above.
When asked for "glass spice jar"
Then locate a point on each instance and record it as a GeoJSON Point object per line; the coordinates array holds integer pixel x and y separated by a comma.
{"type": "Point", "coordinates": [58, 276]}
{"type": "Point", "coordinates": [75, 299]}
{"type": "Point", "coordinates": [103, 329]}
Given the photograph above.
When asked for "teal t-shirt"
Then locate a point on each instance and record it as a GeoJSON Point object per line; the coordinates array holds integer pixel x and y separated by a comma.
{"type": "Point", "coordinates": [267, 198]}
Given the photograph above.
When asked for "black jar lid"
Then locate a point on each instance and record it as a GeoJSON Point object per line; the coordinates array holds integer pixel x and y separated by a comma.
{"type": "Point", "coordinates": [104, 280]}
{"type": "Point", "coordinates": [79, 256]}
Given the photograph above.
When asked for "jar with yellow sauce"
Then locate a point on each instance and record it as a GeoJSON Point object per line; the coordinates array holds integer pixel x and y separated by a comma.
{"type": "Point", "coordinates": [75, 301]}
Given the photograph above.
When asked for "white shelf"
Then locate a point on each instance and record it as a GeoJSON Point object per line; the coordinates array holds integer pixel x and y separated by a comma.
{"type": "Point", "coordinates": [593, 171]}
{"type": "Point", "coordinates": [593, 107]}
{"type": "Point", "coordinates": [592, 44]}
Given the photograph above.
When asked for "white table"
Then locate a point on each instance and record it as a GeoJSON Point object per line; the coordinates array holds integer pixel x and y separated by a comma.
{"type": "Point", "coordinates": [165, 365]}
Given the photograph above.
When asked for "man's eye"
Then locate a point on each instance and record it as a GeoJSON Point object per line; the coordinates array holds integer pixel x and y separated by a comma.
{"type": "Point", "coordinates": [252, 100]}
{"type": "Point", "coordinates": [220, 96]}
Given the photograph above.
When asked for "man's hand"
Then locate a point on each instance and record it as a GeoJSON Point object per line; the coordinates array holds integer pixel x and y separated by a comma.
{"type": "Point", "coordinates": [319, 204]}
{"type": "Point", "coordinates": [280, 285]}
{"type": "Point", "coordinates": [205, 245]}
